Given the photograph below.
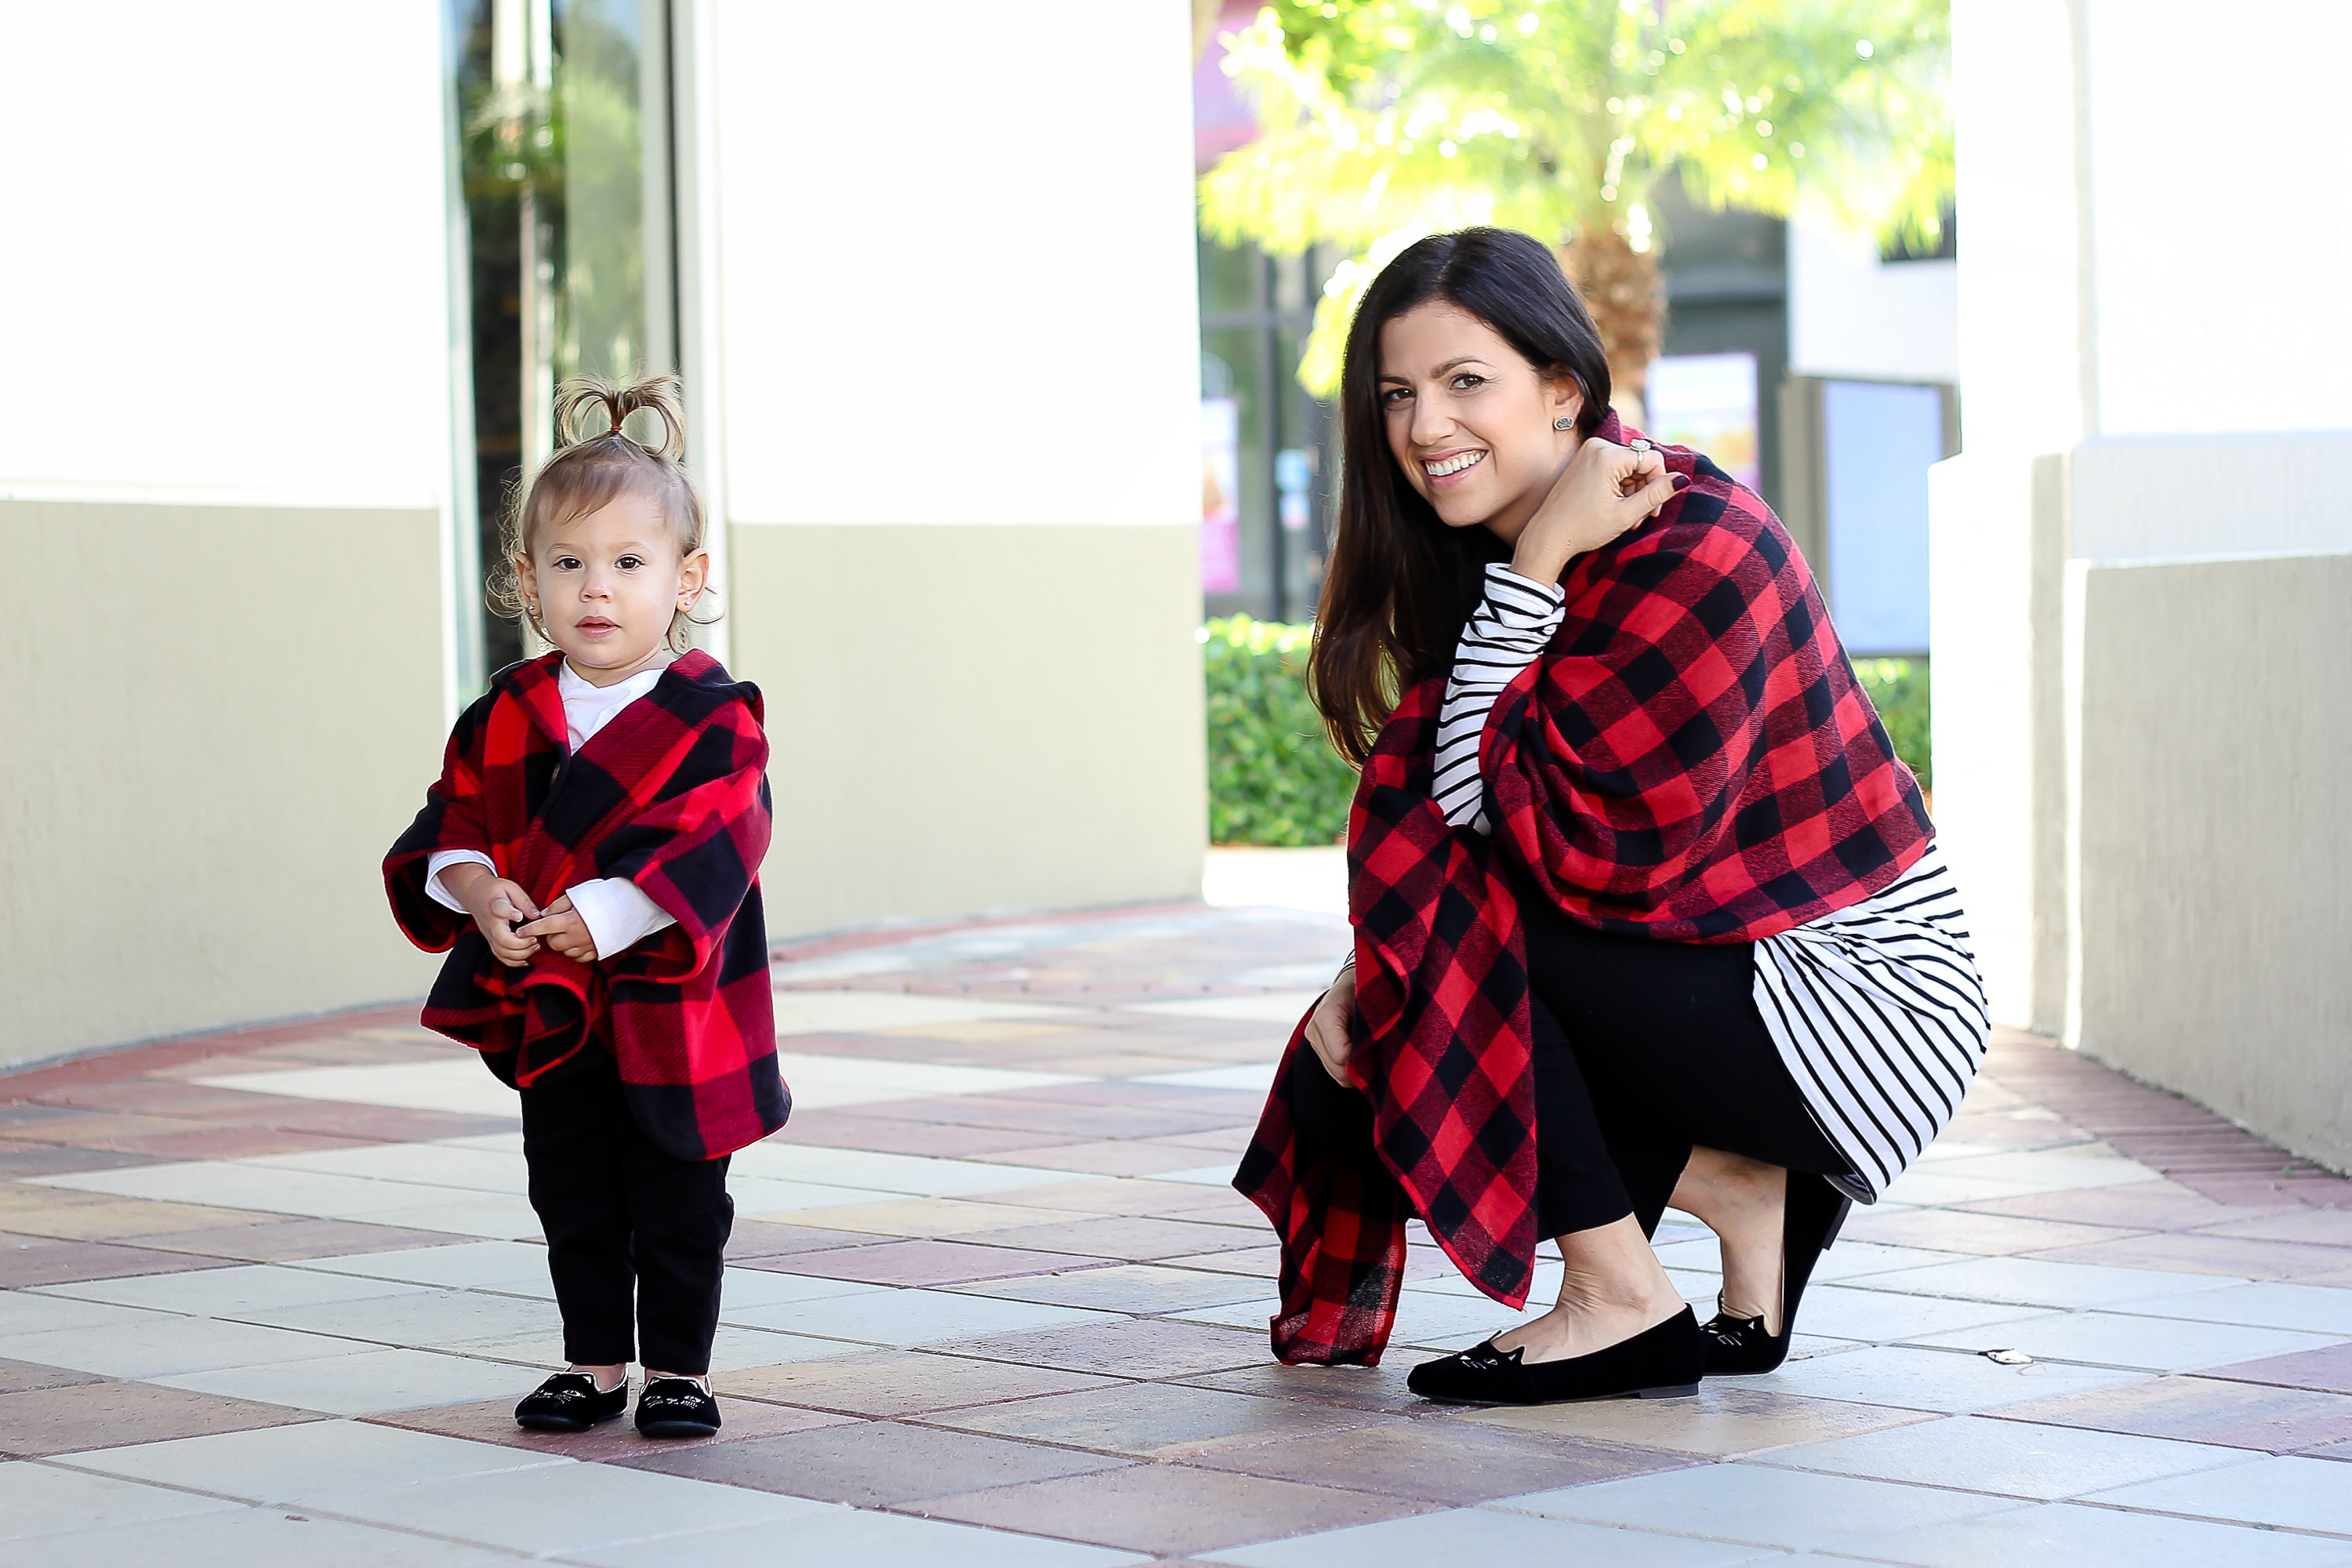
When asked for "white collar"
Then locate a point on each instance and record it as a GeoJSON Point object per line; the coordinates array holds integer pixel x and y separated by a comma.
{"type": "Point", "coordinates": [575, 688]}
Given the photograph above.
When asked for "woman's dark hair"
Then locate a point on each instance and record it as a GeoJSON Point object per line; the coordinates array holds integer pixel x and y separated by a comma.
{"type": "Point", "coordinates": [1400, 583]}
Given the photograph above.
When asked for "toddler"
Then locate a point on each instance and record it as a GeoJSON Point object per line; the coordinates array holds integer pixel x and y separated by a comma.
{"type": "Point", "coordinates": [590, 862]}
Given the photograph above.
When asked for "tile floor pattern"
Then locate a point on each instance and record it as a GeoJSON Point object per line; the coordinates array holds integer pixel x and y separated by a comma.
{"type": "Point", "coordinates": [270, 1297]}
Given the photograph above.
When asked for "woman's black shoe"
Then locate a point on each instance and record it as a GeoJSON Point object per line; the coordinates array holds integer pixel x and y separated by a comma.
{"type": "Point", "coordinates": [1668, 1359]}
{"type": "Point", "coordinates": [676, 1408]}
{"type": "Point", "coordinates": [1814, 1213]}
{"type": "Point", "coordinates": [569, 1401]}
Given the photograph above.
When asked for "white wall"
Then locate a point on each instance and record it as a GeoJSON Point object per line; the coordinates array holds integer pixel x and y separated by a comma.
{"type": "Point", "coordinates": [2129, 270]}
{"type": "Point", "coordinates": [958, 276]}
{"type": "Point", "coordinates": [2022, 340]}
{"type": "Point", "coordinates": [2211, 852]}
{"type": "Point", "coordinates": [225, 460]}
{"type": "Point", "coordinates": [2021, 291]}
{"type": "Point", "coordinates": [2223, 212]}
{"type": "Point", "coordinates": [1851, 314]}
{"type": "Point", "coordinates": [224, 268]}
{"type": "Point", "coordinates": [955, 302]}
{"type": "Point", "coordinates": [2141, 555]}
{"type": "Point", "coordinates": [209, 738]}
{"type": "Point", "coordinates": [2209, 497]}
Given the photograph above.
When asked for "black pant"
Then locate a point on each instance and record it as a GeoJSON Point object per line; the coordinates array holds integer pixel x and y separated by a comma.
{"type": "Point", "coordinates": [1642, 1049]}
{"type": "Point", "coordinates": [622, 1220]}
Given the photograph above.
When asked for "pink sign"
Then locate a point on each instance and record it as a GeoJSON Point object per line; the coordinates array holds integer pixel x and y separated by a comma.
{"type": "Point", "coordinates": [1220, 509]}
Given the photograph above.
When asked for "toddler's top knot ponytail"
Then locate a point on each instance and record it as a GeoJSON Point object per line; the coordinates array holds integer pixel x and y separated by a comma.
{"type": "Point", "coordinates": [590, 408]}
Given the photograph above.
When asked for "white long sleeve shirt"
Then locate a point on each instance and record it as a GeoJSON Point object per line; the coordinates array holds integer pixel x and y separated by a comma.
{"type": "Point", "coordinates": [1507, 633]}
{"type": "Point", "coordinates": [615, 910]}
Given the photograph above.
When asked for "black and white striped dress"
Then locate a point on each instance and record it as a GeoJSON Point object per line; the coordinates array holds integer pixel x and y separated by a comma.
{"type": "Point", "coordinates": [1878, 1010]}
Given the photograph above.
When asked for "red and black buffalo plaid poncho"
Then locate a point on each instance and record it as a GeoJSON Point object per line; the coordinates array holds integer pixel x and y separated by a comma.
{"type": "Point", "coordinates": [1690, 760]}
{"type": "Point", "coordinates": [672, 794]}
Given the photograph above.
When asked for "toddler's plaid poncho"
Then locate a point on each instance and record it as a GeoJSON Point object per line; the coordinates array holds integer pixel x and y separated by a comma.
{"type": "Point", "coordinates": [672, 794]}
{"type": "Point", "coordinates": [1690, 760]}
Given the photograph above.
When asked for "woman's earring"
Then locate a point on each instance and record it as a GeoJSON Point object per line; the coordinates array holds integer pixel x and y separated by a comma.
{"type": "Point", "coordinates": [1566, 423]}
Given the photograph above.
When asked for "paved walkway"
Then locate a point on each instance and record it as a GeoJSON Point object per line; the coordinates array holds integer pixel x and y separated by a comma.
{"type": "Point", "coordinates": [271, 1296]}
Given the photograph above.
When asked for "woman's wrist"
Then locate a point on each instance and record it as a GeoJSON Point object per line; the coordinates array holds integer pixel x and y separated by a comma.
{"type": "Point", "coordinates": [1541, 563]}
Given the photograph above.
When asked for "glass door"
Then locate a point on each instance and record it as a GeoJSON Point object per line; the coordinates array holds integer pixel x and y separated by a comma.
{"type": "Point", "coordinates": [562, 115]}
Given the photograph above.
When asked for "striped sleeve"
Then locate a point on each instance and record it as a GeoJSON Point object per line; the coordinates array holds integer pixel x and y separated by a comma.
{"type": "Point", "coordinates": [1508, 629]}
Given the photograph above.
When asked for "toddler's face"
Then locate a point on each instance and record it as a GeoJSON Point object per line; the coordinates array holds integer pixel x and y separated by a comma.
{"type": "Point", "coordinates": [605, 584]}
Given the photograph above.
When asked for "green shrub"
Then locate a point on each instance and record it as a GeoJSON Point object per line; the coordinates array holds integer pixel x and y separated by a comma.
{"type": "Point", "coordinates": [1898, 690]}
{"type": "Point", "coordinates": [1272, 776]}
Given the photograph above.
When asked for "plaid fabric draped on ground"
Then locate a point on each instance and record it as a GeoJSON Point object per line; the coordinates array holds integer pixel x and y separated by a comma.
{"type": "Point", "coordinates": [672, 794]}
{"type": "Point", "coordinates": [1691, 760]}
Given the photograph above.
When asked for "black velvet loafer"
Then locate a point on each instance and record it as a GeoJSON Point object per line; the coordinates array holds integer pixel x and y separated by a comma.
{"type": "Point", "coordinates": [676, 1408]}
{"type": "Point", "coordinates": [1658, 1362]}
{"type": "Point", "coordinates": [569, 1401]}
{"type": "Point", "coordinates": [1811, 1216]}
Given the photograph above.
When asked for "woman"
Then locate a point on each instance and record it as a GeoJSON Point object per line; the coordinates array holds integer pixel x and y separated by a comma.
{"type": "Point", "coordinates": [1646, 910]}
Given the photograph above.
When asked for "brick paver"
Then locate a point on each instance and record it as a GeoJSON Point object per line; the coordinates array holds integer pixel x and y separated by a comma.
{"type": "Point", "coordinates": [271, 1295]}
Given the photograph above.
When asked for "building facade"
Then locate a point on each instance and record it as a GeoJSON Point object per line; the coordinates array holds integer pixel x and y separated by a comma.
{"type": "Point", "coordinates": [284, 330]}
{"type": "Point", "coordinates": [2143, 555]}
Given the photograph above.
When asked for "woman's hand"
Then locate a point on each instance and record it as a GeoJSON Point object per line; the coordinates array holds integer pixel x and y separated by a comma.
{"type": "Point", "coordinates": [1327, 1029]}
{"type": "Point", "coordinates": [496, 905]}
{"type": "Point", "coordinates": [1605, 490]}
{"type": "Point", "coordinates": [563, 929]}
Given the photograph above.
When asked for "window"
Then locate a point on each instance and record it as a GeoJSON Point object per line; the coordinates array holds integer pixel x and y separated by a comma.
{"type": "Point", "coordinates": [1265, 481]}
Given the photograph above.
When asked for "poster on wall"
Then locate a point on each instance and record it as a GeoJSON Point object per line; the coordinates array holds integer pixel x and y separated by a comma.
{"type": "Point", "coordinates": [1293, 473]}
{"type": "Point", "coordinates": [1221, 495]}
{"type": "Point", "coordinates": [1878, 441]}
{"type": "Point", "coordinates": [1708, 402]}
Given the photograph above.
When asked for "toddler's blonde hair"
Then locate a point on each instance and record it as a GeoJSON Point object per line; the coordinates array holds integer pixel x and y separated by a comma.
{"type": "Point", "coordinates": [594, 462]}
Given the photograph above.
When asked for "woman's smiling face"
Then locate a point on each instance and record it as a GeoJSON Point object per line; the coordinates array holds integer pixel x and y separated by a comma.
{"type": "Point", "coordinates": [1469, 420]}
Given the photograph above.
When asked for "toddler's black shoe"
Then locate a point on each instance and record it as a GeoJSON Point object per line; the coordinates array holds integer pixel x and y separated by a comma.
{"type": "Point", "coordinates": [569, 1401]}
{"type": "Point", "coordinates": [676, 1408]}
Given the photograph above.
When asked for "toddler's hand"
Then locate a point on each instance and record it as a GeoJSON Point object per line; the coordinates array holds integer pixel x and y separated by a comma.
{"type": "Point", "coordinates": [561, 928]}
{"type": "Point", "coordinates": [496, 905]}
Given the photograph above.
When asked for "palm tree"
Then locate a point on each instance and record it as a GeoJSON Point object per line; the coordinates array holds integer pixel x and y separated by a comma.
{"type": "Point", "coordinates": [1387, 119]}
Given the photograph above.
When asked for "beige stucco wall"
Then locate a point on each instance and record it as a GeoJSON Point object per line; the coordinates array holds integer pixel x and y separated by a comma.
{"type": "Point", "coordinates": [2212, 943]}
{"type": "Point", "coordinates": [968, 717]}
{"type": "Point", "coordinates": [212, 722]}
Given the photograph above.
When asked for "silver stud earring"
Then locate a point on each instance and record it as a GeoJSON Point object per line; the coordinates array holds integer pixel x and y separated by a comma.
{"type": "Point", "coordinates": [1566, 423]}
